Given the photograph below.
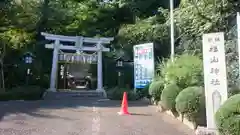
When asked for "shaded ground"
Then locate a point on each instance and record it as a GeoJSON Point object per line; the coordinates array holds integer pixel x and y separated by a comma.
{"type": "Point", "coordinates": [84, 117]}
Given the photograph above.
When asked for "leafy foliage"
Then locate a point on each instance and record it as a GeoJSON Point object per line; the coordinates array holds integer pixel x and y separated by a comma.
{"type": "Point", "coordinates": [22, 93]}
{"type": "Point", "coordinates": [152, 29]}
{"type": "Point", "coordinates": [185, 71]}
{"type": "Point", "coordinates": [227, 117]}
{"type": "Point", "coordinates": [129, 21]}
{"type": "Point", "coordinates": [205, 16]}
{"type": "Point", "coordinates": [193, 18]}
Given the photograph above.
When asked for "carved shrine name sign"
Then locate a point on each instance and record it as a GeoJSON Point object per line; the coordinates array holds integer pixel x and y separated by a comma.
{"type": "Point", "coordinates": [77, 58]}
{"type": "Point", "coordinates": [215, 79]}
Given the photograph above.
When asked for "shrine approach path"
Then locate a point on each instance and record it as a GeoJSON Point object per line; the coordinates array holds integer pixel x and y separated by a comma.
{"type": "Point", "coordinates": [85, 117]}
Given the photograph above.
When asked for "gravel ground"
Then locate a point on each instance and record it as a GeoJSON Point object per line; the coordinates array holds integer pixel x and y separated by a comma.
{"type": "Point", "coordinates": [85, 117]}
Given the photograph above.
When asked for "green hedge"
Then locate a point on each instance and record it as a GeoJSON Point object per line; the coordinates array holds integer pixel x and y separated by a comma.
{"type": "Point", "coordinates": [143, 92]}
{"type": "Point", "coordinates": [155, 90]}
{"type": "Point", "coordinates": [22, 93]}
{"type": "Point", "coordinates": [117, 93]}
{"type": "Point", "coordinates": [190, 102]}
{"type": "Point", "coordinates": [169, 95]}
{"type": "Point", "coordinates": [228, 117]}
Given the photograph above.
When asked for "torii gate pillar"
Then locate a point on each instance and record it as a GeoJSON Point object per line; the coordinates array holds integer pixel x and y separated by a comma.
{"type": "Point", "coordinates": [99, 69]}
{"type": "Point", "coordinates": [54, 67]}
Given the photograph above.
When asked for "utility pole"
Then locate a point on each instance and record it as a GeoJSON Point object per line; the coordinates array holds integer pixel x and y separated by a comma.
{"type": "Point", "coordinates": [172, 29]}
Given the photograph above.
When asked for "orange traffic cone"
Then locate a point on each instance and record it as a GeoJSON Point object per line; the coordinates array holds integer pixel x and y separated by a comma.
{"type": "Point", "coordinates": [124, 106]}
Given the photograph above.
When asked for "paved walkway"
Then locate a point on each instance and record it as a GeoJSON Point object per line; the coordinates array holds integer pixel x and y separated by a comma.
{"type": "Point", "coordinates": [84, 117]}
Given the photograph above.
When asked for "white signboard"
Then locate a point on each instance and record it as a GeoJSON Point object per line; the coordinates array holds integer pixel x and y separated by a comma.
{"type": "Point", "coordinates": [215, 79]}
{"type": "Point", "coordinates": [143, 64]}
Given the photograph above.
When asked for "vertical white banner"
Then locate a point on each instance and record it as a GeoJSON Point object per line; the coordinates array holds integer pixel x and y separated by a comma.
{"type": "Point", "coordinates": [238, 38]}
{"type": "Point", "coordinates": [215, 78]}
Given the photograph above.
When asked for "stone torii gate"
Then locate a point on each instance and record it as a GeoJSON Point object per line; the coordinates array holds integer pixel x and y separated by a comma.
{"type": "Point", "coordinates": [78, 41]}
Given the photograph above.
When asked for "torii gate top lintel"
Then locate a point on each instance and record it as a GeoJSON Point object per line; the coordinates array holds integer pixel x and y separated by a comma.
{"type": "Point", "coordinates": [76, 38]}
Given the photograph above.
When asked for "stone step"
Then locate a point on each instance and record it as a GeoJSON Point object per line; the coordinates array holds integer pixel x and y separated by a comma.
{"type": "Point", "coordinates": [74, 94]}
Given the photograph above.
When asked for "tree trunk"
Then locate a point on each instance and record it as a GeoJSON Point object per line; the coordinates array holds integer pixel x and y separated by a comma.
{"type": "Point", "coordinates": [43, 20]}
{"type": "Point", "coordinates": [2, 67]}
{"type": "Point", "coordinates": [2, 76]}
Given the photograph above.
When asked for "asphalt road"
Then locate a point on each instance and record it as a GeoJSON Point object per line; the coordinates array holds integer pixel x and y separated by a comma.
{"type": "Point", "coordinates": [85, 117]}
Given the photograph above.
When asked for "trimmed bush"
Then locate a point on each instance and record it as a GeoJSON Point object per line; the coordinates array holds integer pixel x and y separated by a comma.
{"type": "Point", "coordinates": [155, 90]}
{"type": "Point", "coordinates": [187, 70]}
{"type": "Point", "coordinates": [228, 117]}
{"type": "Point", "coordinates": [190, 102]}
{"type": "Point", "coordinates": [169, 95]}
{"type": "Point", "coordinates": [117, 93]}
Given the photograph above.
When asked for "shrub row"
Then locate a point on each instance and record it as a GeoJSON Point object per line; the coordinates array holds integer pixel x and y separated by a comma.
{"type": "Point", "coordinates": [117, 93]}
{"type": "Point", "coordinates": [22, 93]}
{"type": "Point", "coordinates": [188, 102]}
{"type": "Point", "coordinates": [179, 87]}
